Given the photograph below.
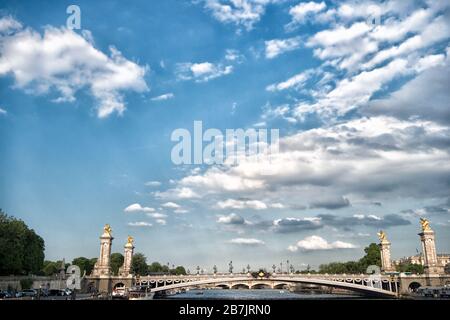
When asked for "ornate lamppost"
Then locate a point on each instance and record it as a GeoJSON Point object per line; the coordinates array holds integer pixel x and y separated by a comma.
{"type": "Point", "coordinates": [198, 270]}
{"type": "Point", "coordinates": [274, 267]}
{"type": "Point", "coordinates": [215, 269]}
{"type": "Point", "coordinates": [230, 267]}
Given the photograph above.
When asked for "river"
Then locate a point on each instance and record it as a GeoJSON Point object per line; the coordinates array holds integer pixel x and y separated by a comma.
{"type": "Point", "coordinates": [255, 294]}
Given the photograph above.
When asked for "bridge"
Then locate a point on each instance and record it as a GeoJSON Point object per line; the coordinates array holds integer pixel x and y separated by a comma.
{"type": "Point", "coordinates": [380, 286]}
{"type": "Point", "coordinates": [387, 283]}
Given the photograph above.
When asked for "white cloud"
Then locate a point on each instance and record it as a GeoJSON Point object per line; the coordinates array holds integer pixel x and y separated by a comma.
{"type": "Point", "coordinates": [242, 13]}
{"type": "Point", "coordinates": [242, 204]}
{"type": "Point", "coordinates": [171, 205]}
{"type": "Point", "coordinates": [300, 12]}
{"type": "Point", "coordinates": [232, 218]}
{"type": "Point", "coordinates": [136, 207]}
{"type": "Point", "coordinates": [163, 97]}
{"type": "Point", "coordinates": [318, 243]}
{"type": "Point", "coordinates": [68, 62]}
{"type": "Point", "coordinates": [157, 215]}
{"type": "Point", "coordinates": [181, 211]}
{"type": "Point", "coordinates": [177, 193]}
{"type": "Point", "coordinates": [202, 72]}
{"type": "Point", "coordinates": [3, 111]}
{"type": "Point", "coordinates": [9, 24]}
{"type": "Point", "coordinates": [295, 81]}
{"type": "Point", "coordinates": [279, 46]}
{"type": "Point", "coordinates": [234, 56]}
{"type": "Point", "coordinates": [153, 183]}
{"type": "Point", "coordinates": [366, 157]}
{"type": "Point", "coordinates": [140, 224]}
{"type": "Point", "coordinates": [247, 241]}
{"type": "Point", "coordinates": [353, 92]}
{"type": "Point", "coordinates": [434, 32]}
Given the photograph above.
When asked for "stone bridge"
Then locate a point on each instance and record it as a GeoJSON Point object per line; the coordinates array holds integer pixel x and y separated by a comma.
{"type": "Point", "coordinates": [364, 284]}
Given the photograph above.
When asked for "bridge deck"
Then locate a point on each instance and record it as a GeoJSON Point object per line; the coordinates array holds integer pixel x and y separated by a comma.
{"type": "Point", "coordinates": [307, 280]}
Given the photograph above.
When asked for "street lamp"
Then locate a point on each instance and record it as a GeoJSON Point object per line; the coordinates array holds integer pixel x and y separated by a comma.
{"type": "Point", "coordinates": [215, 269]}
{"type": "Point", "coordinates": [230, 267]}
{"type": "Point", "coordinates": [274, 268]}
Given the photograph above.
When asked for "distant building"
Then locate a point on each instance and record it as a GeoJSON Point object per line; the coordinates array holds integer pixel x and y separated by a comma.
{"type": "Point", "coordinates": [443, 259]}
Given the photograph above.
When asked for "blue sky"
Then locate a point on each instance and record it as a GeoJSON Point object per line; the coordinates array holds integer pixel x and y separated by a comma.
{"type": "Point", "coordinates": [362, 106]}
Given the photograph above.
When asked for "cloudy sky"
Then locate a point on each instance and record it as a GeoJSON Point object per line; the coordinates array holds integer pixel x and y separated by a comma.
{"type": "Point", "coordinates": [359, 91]}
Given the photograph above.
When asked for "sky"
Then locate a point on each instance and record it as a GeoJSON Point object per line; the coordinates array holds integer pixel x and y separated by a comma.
{"type": "Point", "coordinates": [359, 92]}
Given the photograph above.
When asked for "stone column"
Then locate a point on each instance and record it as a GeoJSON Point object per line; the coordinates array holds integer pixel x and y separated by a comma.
{"type": "Point", "coordinates": [431, 264]}
{"type": "Point", "coordinates": [385, 250]}
{"type": "Point", "coordinates": [128, 256]}
{"type": "Point", "coordinates": [102, 266]}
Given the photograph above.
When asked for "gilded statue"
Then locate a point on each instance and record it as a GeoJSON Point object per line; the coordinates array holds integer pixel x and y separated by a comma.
{"type": "Point", "coordinates": [425, 224]}
{"type": "Point", "coordinates": [130, 240]}
{"type": "Point", "coordinates": [382, 236]}
{"type": "Point", "coordinates": [107, 229]}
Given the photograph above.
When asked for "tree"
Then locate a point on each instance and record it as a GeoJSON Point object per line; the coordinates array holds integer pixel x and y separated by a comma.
{"type": "Point", "coordinates": [139, 264]}
{"type": "Point", "coordinates": [84, 264]}
{"type": "Point", "coordinates": [49, 268]}
{"type": "Point", "coordinates": [372, 257]}
{"type": "Point", "coordinates": [179, 270]}
{"type": "Point", "coordinates": [21, 249]}
{"type": "Point", "coordinates": [155, 267]}
{"type": "Point", "coordinates": [410, 267]}
{"type": "Point", "coordinates": [116, 262]}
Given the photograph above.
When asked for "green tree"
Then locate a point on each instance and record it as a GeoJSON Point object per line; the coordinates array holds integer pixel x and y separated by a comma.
{"type": "Point", "coordinates": [155, 267]}
{"type": "Point", "coordinates": [21, 249]}
{"type": "Point", "coordinates": [179, 270]}
{"type": "Point", "coordinates": [139, 264]}
{"type": "Point", "coordinates": [83, 263]}
{"type": "Point", "coordinates": [410, 267]}
{"type": "Point", "coordinates": [49, 268]}
{"type": "Point", "coordinates": [372, 257]}
{"type": "Point", "coordinates": [116, 262]}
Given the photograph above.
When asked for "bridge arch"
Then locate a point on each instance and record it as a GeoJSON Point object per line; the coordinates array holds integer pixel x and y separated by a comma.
{"type": "Point", "coordinates": [262, 285]}
{"type": "Point", "coordinates": [223, 286]}
{"type": "Point", "coordinates": [240, 286]}
{"type": "Point", "coordinates": [283, 285]}
{"type": "Point", "coordinates": [413, 286]}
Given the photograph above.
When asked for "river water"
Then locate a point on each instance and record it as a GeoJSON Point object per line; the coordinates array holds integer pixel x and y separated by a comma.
{"type": "Point", "coordinates": [255, 294]}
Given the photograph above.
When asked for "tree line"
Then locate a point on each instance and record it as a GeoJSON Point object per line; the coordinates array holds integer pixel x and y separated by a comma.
{"type": "Point", "coordinates": [21, 249]}
{"type": "Point", "coordinates": [372, 257]}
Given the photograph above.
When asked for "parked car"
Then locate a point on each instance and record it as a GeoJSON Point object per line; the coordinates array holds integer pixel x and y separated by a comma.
{"type": "Point", "coordinates": [56, 293]}
{"type": "Point", "coordinates": [445, 292]}
{"type": "Point", "coordinates": [5, 295]}
{"type": "Point", "coordinates": [27, 293]}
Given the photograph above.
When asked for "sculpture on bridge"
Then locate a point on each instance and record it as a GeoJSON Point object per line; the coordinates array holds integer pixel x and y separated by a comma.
{"type": "Point", "coordinates": [431, 263]}
{"type": "Point", "coordinates": [125, 269]}
{"type": "Point", "coordinates": [107, 229]}
{"type": "Point", "coordinates": [385, 251]}
{"type": "Point", "coordinates": [425, 224]}
{"type": "Point", "coordinates": [382, 236]}
{"type": "Point", "coordinates": [130, 240]}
